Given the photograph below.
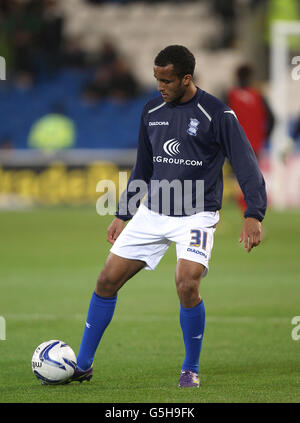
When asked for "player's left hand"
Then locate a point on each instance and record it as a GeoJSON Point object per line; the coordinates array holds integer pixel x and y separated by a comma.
{"type": "Point", "coordinates": [251, 233]}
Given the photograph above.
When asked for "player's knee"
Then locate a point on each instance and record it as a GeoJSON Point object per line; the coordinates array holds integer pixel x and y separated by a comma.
{"type": "Point", "coordinates": [188, 287]}
{"type": "Point", "coordinates": [189, 278]}
{"type": "Point", "coordinates": [105, 286]}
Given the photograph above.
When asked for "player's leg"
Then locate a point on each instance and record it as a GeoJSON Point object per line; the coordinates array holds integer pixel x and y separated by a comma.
{"type": "Point", "coordinates": [187, 277]}
{"type": "Point", "coordinates": [192, 318]}
{"type": "Point", "coordinates": [116, 272]}
{"type": "Point", "coordinates": [138, 246]}
{"type": "Point", "coordinates": [194, 248]}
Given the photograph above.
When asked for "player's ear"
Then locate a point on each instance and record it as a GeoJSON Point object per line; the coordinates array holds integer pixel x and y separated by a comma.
{"type": "Point", "coordinates": [187, 79]}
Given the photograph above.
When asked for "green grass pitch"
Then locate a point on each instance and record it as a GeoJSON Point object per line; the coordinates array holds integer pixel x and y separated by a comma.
{"type": "Point", "coordinates": [49, 262]}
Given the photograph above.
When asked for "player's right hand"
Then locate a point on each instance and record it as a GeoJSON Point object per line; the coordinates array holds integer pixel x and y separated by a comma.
{"type": "Point", "coordinates": [114, 229]}
{"type": "Point", "coordinates": [251, 233]}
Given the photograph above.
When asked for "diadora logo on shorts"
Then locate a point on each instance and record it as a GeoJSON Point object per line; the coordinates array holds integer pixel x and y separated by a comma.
{"type": "Point", "coordinates": [158, 123]}
{"type": "Point", "coordinates": [193, 126]}
{"type": "Point", "coordinates": [171, 147]}
{"type": "Point", "coordinates": [192, 250]}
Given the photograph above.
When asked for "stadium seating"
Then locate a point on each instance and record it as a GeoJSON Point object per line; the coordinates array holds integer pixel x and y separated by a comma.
{"type": "Point", "coordinates": [139, 30]}
{"type": "Point", "coordinates": [95, 124]}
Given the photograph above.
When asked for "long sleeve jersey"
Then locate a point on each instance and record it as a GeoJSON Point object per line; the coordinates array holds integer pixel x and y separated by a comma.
{"type": "Point", "coordinates": [189, 142]}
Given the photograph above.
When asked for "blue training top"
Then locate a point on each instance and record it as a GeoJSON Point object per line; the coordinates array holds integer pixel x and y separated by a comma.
{"type": "Point", "coordinates": [189, 142]}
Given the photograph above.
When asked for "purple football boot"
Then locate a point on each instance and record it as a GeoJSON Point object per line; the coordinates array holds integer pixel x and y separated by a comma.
{"type": "Point", "coordinates": [188, 379]}
{"type": "Point", "coordinates": [81, 375]}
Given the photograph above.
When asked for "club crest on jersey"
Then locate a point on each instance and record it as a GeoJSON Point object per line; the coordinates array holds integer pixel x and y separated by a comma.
{"type": "Point", "coordinates": [193, 126]}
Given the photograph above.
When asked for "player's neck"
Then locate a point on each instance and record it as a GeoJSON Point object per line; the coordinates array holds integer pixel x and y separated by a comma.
{"type": "Point", "coordinates": [189, 94]}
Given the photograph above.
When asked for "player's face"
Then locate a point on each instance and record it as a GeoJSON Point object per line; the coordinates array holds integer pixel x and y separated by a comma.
{"type": "Point", "coordinates": [171, 87]}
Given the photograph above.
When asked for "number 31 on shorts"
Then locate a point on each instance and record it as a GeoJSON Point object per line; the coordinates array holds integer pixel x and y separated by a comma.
{"type": "Point", "coordinates": [198, 238]}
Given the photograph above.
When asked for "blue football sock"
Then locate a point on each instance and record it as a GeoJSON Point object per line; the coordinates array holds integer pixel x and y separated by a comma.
{"type": "Point", "coordinates": [192, 322]}
{"type": "Point", "coordinates": [100, 313]}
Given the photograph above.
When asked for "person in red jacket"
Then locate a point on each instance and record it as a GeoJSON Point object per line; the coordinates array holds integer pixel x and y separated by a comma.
{"type": "Point", "coordinates": [252, 111]}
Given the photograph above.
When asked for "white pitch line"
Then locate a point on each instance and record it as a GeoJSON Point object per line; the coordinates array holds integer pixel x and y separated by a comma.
{"type": "Point", "coordinates": [136, 318]}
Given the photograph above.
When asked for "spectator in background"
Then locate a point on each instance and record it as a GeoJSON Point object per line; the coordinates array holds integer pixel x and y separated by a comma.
{"type": "Point", "coordinates": [6, 49]}
{"type": "Point", "coordinates": [113, 77]}
{"type": "Point", "coordinates": [33, 30]}
{"type": "Point", "coordinates": [123, 84]}
{"type": "Point", "coordinates": [103, 60]}
{"type": "Point", "coordinates": [50, 37]}
{"type": "Point", "coordinates": [226, 11]}
{"type": "Point", "coordinates": [107, 55]}
{"type": "Point", "coordinates": [252, 110]}
{"type": "Point", "coordinates": [73, 54]}
{"type": "Point", "coordinates": [21, 27]}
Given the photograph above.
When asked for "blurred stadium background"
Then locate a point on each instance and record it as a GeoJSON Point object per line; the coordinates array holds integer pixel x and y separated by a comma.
{"type": "Point", "coordinates": [79, 71]}
{"type": "Point", "coordinates": [77, 74]}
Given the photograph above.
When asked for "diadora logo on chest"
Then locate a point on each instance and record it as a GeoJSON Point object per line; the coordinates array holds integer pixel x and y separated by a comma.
{"type": "Point", "coordinates": [171, 147]}
{"type": "Point", "coordinates": [193, 126]}
{"type": "Point", "coordinates": [158, 123]}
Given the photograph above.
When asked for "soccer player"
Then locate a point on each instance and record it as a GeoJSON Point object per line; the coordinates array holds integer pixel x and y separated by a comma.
{"type": "Point", "coordinates": [185, 135]}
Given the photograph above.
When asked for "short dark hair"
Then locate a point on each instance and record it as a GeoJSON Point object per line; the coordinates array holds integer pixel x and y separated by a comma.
{"type": "Point", "coordinates": [180, 57]}
{"type": "Point", "coordinates": [245, 74]}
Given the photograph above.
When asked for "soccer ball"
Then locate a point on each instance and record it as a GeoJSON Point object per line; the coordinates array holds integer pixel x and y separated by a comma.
{"type": "Point", "coordinates": [53, 362]}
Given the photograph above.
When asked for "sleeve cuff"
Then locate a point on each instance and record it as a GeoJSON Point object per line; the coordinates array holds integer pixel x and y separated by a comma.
{"type": "Point", "coordinates": [255, 216]}
{"type": "Point", "coordinates": [123, 217]}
